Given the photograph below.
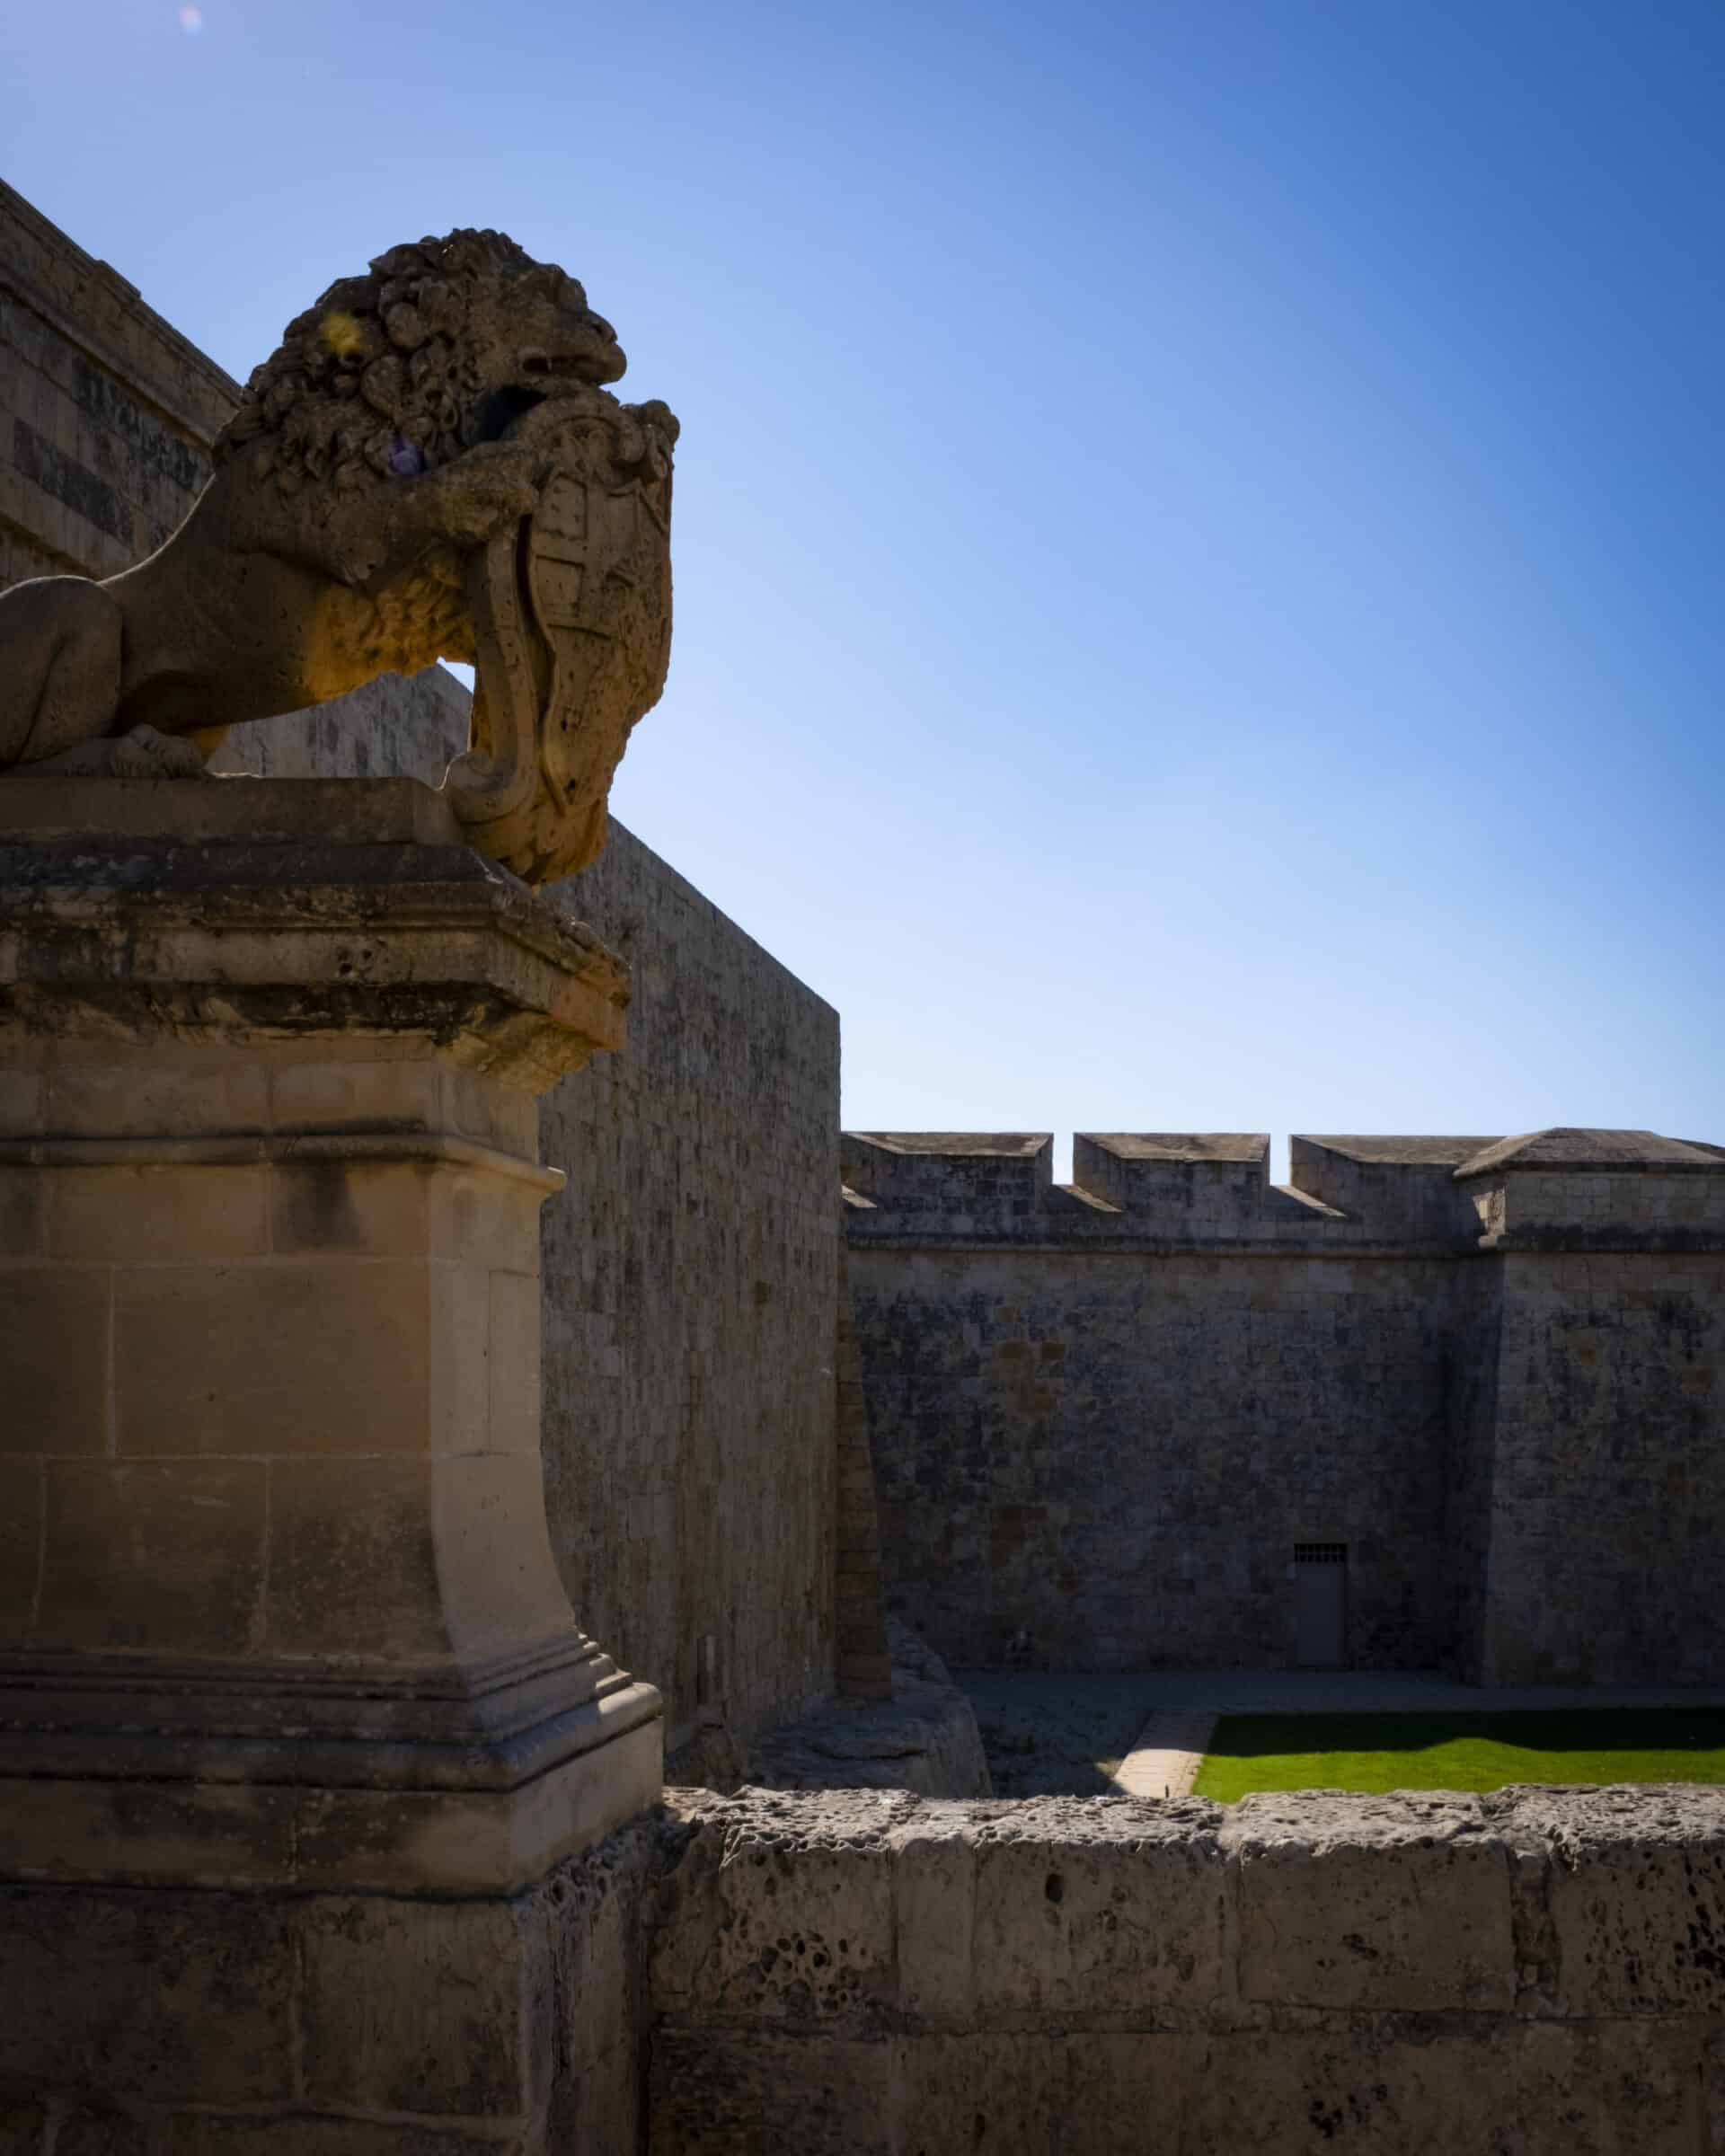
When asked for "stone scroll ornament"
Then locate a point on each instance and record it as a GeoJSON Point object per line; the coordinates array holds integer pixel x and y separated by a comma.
{"type": "Point", "coordinates": [429, 466]}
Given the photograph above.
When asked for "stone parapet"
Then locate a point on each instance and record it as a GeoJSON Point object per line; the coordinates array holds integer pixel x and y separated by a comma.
{"type": "Point", "coordinates": [1346, 1196]}
{"type": "Point", "coordinates": [868, 1972]}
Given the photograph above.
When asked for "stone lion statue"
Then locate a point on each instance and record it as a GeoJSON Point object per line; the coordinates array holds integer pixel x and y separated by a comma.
{"type": "Point", "coordinates": [429, 466]}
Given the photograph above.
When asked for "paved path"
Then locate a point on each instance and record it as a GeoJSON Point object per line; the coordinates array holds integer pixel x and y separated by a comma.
{"type": "Point", "coordinates": [1168, 1751]}
{"type": "Point", "coordinates": [1166, 1754]}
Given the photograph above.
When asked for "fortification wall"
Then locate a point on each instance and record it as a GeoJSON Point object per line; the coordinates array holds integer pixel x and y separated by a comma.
{"type": "Point", "coordinates": [1107, 1417]}
{"type": "Point", "coordinates": [690, 1268]}
{"type": "Point", "coordinates": [691, 1277]}
{"type": "Point", "coordinates": [1093, 1461]}
{"type": "Point", "coordinates": [1457, 1975]}
{"type": "Point", "coordinates": [1607, 1509]}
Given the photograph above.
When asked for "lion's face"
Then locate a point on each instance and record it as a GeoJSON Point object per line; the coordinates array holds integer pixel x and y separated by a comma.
{"type": "Point", "coordinates": [536, 332]}
{"type": "Point", "coordinates": [441, 346]}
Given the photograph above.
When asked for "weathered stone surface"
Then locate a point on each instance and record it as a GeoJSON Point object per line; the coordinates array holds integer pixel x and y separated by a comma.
{"type": "Point", "coordinates": [921, 1737]}
{"type": "Point", "coordinates": [22, 2129]}
{"type": "Point", "coordinates": [306, 2134]}
{"type": "Point", "coordinates": [1434, 2088]}
{"type": "Point", "coordinates": [987, 2095]}
{"type": "Point", "coordinates": [746, 2094]}
{"type": "Point", "coordinates": [1105, 1417]}
{"type": "Point", "coordinates": [785, 1919]}
{"type": "Point", "coordinates": [1102, 1905]}
{"type": "Point", "coordinates": [119, 1993]}
{"type": "Point", "coordinates": [1382, 1902]}
{"type": "Point", "coordinates": [426, 2006]}
{"type": "Point", "coordinates": [1128, 2045]}
{"type": "Point", "coordinates": [277, 2024]}
{"type": "Point", "coordinates": [690, 1280]}
{"type": "Point", "coordinates": [1605, 1506]}
{"type": "Point", "coordinates": [1633, 1893]}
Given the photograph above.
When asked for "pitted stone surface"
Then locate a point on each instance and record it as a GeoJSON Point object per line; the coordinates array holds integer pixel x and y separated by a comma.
{"type": "Point", "coordinates": [1383, 1903]}
{"type": "Point", "coordinates": [1635, 1890]}
{"type": "Point", "coordinates": [1006, 2013]}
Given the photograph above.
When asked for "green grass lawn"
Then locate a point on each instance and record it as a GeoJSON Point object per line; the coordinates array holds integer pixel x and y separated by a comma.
{"type": "Point", "coordinates": [1461, 1751]}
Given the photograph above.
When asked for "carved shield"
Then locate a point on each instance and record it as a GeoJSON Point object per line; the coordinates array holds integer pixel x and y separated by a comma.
{"type": "Point", "coordinates": [573, 617]}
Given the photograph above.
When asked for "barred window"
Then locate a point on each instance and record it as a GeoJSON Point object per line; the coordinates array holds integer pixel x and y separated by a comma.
{"type": "Point", "coordinates": [1319, 1553]}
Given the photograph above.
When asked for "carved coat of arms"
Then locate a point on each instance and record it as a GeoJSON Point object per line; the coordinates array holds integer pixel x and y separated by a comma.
{"type": "Point", "coordinates": [572, 611]}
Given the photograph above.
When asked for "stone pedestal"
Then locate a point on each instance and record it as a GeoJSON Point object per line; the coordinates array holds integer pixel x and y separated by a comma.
{"type": "Point", "coordinates": [278, 1616]}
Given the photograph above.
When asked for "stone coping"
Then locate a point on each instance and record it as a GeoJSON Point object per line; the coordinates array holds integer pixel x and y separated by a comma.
{"type": "Point", "coordinates": [1595, 1152]}
{"type": "Point", "coordinates": [48, 807]}
{"type": "Point", "coordinates": [962, 1145]}
{"type": "Point", "coordinates": [1237, 1148]}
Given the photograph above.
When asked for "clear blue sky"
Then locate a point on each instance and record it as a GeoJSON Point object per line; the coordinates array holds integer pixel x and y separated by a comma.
{"type": "Point", "coordinates": [1199, 525]}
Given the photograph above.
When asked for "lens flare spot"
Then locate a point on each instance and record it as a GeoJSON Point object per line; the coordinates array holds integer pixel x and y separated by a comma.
{"type": "Point", "coordinates": [191, 21]}
{"type": "Point", "coordinates": [341, 333]}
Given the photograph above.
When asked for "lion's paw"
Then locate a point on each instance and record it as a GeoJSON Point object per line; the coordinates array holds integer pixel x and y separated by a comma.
{"type": "Point", "coordinates": [144, 753]}
{"type": "Point", "coordinates": [487, 488]}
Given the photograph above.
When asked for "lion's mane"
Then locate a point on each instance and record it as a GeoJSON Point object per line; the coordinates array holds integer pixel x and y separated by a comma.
{"type": "Point", "coordinates": [377, 380]}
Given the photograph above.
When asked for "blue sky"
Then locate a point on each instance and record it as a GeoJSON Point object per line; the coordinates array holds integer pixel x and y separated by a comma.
{"type": "Point", "coordinates": [1199, 525]}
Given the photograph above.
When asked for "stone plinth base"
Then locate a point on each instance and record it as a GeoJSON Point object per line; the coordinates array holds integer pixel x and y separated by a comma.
{"type": "Point", "coordinates": [278, 1613]}
{"type": "Point", "coordinates": [179, 2022]}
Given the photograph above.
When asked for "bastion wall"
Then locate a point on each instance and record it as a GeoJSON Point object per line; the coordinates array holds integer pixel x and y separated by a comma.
{"type": "Point", "coordinates": [1112, 1419]}
{"type": "Point", "coordinates": [690, 1268]}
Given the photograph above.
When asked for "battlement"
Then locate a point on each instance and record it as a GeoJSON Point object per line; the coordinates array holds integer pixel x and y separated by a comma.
{"type": "Point", "coordinates": [1567, 1186]}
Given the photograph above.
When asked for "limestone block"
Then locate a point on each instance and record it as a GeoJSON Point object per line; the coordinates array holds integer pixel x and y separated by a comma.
{"type": "Point", "coordinates": [934, 1897]}
{"type": "Point", "coordinates": [175, 1097]}
{"type": "Point", "coordinates": [54, 1348]}
{"type": "Point", "coordinates": [415, 1557]}
{"type": "Point", "coordinates": [285, 1364]}
{"type": "Point", "coordinates": [1634, 1893]}
{"type": "Point", "coordinates": [21, 1542]}
{"type": "Point", "coordinates": [120, 1992]}
{"type": "Point", "coordinates": [1131, 2092]}
{"type": "Point", "coordinates": [1612, 2088]}
{"type": "Point", "coordinates": [334, 1208]}
{"type": "Point", "coordinates": [101, 2132]}
{"type": "Point", "coordinates": [21, 1103]}
{"type": "Point", "coordinates": [351, 1557]}
{"type": "Point", "coordinates": [23, 1213]}
{"type": "Point", "coordinates": [1105, 1905]}
{"type": "Point", "coordinates": [992, 2095]}
{"type": "Point", "coordinates": [714, 2093]}
{"type": "Point", "coordinates": [22, 2128]}
{"type": "Point", "coordinates": [225, 1835]}
{"type": "Point", "coordinates": [593, 1914]}
{"type": "Point", "coordinates": [422, 2006]}
{"type": "Point", "coordinates": [1290, 2091]}
{"type": "Point", "coordinates": [1390, 1902]}
{"type": "Point", "coordinates": [306, 2134]}
{"type": "Point", "coordinates": [786, 1913]}
{"type": "Point", "coordinates": [162, 1213]}
{"type": "Point", "coordinates": [164, 1554]}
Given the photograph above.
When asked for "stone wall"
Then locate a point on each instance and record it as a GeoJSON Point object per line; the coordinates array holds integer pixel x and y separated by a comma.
{"type": "Point", "coordinates": [1607, 1508]}
{"type": "Point", "coordinates": [1110, 1459]}
{"type": "Point", "coordinates": [691, 1273]}
{"type": "Point", "coordinates": [1441, 1975]}
{"type": "Point", "coordinates": [1105, 1415]}
{"type": "Point", "coordinates": [106, 412]}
